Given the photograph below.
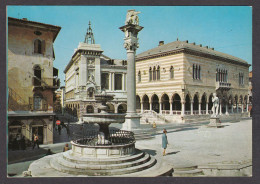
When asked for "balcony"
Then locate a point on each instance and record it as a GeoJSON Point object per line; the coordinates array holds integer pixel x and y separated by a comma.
{"type": "Point", "coordinates": [46, 83]}
{"type": "Point", "coordinates": [223, 86]}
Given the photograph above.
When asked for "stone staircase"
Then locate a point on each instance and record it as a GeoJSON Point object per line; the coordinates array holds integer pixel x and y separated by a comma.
{"type": "Point", "coordinates": [139, 164]}
{"type": "Point", "coordinates": [187, 171]}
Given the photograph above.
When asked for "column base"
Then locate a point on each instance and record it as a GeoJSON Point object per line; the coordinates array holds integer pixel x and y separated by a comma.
{"type": "Point", "coordinates": [132, 121]}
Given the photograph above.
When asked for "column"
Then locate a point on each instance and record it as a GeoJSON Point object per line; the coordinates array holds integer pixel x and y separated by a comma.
{"type": "Point", "coordinates": [191, 107]}
{"type": "Point", "coordinates": [232, 109]}
{"type": "Point", "coordinates": [110, 81]}
{"type": "Point", "coordinates": [160, 107]}
{"type": "Point", "coordinates": [207, 108]}
{"type": "Point", "coordinates": [220, 109]}
{"type": "Point", "coordinates": [142, 107]}
{"type": "Point", "coordinates": [151, 106]}
{"type": "Point", "coordinates": [182, 108]}
{"type": "Point", "coordinates": [237, 107]}
{"type": "Point", "coordinates": [226, 109]}
{"type": "Point", "coordinates": [123, 82]}
{"type": "Point", "coordinates": [199, 108]}
{"type": "Point", "coordinates": [242, 107]}
{"type": "Point", "coordinates": [171, 107]}
{"type": "Point", "coordinates": [246, 107]}
{"type": "Point", "coordinates": [113, 82]}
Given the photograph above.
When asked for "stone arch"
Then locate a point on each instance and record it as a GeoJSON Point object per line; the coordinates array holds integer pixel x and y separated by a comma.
{"type": "Point", "coordinates": [155, 103]}
{"type": "Point", "coordinates": [89, 109]}
{"type": "Point", "coordinates": [146, 104]}
{"type": "Point", "coordinates": [122, 108]}
{"type": "Point", "coordinates": [203, 101]}
{"type": "Point", "coordinates": [187, 102]}
{"type": "Point", "coordinates": [110, 108]}
{"type": "Point", "coordinates": [165, 102]}
{"type": "Point", "coordinates": [176, 102]}
{"type": "Point", "coordinates": [138, 102]}
{"type": "Point", "coordinates": [195, 102]}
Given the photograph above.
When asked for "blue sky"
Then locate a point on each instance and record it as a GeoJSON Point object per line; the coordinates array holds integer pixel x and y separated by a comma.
{"type": "Point", "coordinates": [226, 28]}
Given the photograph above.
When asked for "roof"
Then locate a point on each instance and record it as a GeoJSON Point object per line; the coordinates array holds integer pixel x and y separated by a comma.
{"type": "Point", "coordinates": [184, 45]}
{"type": "Point", "coordinates": [32, 24]}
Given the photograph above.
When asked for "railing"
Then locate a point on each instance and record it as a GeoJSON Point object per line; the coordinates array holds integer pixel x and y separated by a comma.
{"type": "Point", "coordinates": [225, 85]}
{"type": "Point", "coordinates": [115, 137]}
{"type": "Point", "coordinates": [45, 82]}
{"type": "Point", "coordinates": [155, 114]}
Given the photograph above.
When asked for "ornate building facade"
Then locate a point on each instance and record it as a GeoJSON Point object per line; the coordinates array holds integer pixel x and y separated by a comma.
{"type": "Point", "coordinates": [89, 72]}
{"type": "Point", "coordinates": [32, 79]}
{"type": "Point", "coordinates": [176, 81]}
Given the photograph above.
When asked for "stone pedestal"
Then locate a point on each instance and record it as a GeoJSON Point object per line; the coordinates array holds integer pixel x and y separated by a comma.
{"type": "Point", "coordinates": [214, 122]}
{"type": "Point", "coordinates": [132, 122]}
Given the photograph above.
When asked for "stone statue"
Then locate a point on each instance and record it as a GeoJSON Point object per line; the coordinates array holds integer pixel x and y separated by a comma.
{"type": "Point", "coordinates": [132, 17]}
{"type": "Point", "coordinates": [215, 106]}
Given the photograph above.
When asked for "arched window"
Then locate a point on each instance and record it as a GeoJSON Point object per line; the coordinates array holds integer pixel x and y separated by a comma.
{"type": "Point", "coordinates": [158, 73]}
{"type": "Point", "coordinates": [154, 73]}
{"type": "Point", "coordinates": [171, 72]}
{"type": "Point", "coordinates": [196, 73]}
{"type": "Point", "coordinates": [150, 74]}
{"type": "Point", "coordinates": [139, 76]}
{"type": "Point", "coordinates": [37, 75]}
{"type": "Point", "coordinates": [199, 77]}
{"type": "Point", "coordinates": [193, 71]}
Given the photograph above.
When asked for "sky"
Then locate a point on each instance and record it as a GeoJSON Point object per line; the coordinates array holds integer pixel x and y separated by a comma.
{"type": "Point", "coordinates": [226, 28]}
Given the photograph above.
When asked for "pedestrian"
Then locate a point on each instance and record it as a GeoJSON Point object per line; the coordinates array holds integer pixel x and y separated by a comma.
{"type": "Point", "coordinates": [154, 125]}
{"type": "Point", "coordinates": [59, 129]}
{"type": "Point", "coordinates": [66, 148]}
{"type": "Point", "coordinates": [35, 141]}
{"type": "Point", "coordinates": [164, 141]}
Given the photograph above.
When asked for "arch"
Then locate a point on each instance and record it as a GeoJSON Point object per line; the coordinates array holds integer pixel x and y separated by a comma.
{"type": "Point", "coordinates": [154, 73]}
{"type": "Point", "coordinates": [122, 108]}
{"type": "Point", "coordinates": [89, 109]}
{"type": "Point", "coordinates": [155, 103]}
{"type": "Point", "coordinates": [195, 102]}
{"type": "Point", "coordinates": [165, 102]}
{"type": "Point", "coordinates": [158, 73]}
{"type": "Point", "coordinates": [203, 101]}
{"type": "Point", "coordinates": [146, 104]}
{"type": "Point", "coordinates": [110, 108]}
{"type": "Point", "coordinates": [138, 102]}
{"type": "Point", "coordinates": [187, 102]}
{"type": "Point", "coordinates": [176, 102]}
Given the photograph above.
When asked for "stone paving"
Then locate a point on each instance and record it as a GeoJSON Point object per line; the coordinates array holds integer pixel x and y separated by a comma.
{"type": "Point", "coordinates": [189, 144]}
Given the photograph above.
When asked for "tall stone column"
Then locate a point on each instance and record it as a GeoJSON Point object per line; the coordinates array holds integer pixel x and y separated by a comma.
{"type": "Point", "coordinates": [170, 107]}
{"type": "Point", "coordinates": [227, 109]}
{"type": "Point", "coordinates": [142, 107]}
{"type": "Point", "coordinates": [220, 109]}
{"type": "Point", "coordinates": [207, 108]}
{"type": "Point", "coordinates": [191, 107]}
{"type": "Point", "coordinates": [182, 108]}
{"type": "Point", "coordinates": [160, 110]}
{"type": "Point", "coordinates": [199, 108]}
{"type": "Point", "coordinates": [131, 29]}
{"type": "Point", "coordinates": [151, 108]}
{"type": "Point", "coordinates": [242, 107]}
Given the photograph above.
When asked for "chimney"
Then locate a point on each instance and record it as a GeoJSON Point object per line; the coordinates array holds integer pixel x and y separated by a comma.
{"type": "Point", "coordinates": [161, 43]}
{"type": "Point", "coordinates": [24, 18]}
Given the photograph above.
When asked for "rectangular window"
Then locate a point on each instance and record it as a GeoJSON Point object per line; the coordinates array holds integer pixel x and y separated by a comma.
{"type": "Point", "coordinates": [118, 81]}
{"type": "Point", "coordinates": [104, 81]}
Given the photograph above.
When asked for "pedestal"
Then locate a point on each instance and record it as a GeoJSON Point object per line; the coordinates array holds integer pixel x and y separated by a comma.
{"type": "Point", "coordinates": [132, 122]}
{"type": "Point", "coordinates": [214, 122]}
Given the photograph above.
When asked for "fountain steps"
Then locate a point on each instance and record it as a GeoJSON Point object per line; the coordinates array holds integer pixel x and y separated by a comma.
{"type": "Point", "coordinates": [93, 160]}
{"type": "Point", "coordinates": [103, 170]}
{"type": "Point", "coordinates": [85, 166]}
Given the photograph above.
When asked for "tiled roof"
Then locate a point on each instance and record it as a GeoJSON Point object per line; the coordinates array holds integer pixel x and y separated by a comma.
{"type": "Point", "coordinates": [178, 45]}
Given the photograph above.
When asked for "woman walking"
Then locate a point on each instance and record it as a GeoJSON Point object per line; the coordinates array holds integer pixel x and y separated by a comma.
{"type": "Point", "coordinates": [164, 141]}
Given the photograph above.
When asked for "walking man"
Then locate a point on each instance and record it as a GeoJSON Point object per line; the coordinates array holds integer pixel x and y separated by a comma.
{"type": "Point", "coordinates": [164, 141]}
{"type": "Point", "coordinates": [35, 141]}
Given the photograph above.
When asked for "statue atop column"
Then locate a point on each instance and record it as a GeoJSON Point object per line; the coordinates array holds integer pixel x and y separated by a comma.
{"type": "Point", "coordinates": [215, 101]}
{"type": "Point", "coordinates": [132, 17]}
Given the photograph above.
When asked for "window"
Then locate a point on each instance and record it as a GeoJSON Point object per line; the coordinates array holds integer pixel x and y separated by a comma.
{"type": "Point", "coordinates": [171, 72]}
{"type": "Point", "coordinates": [39, 46]}
{"type": "Point", "coordinates": [196, 71]}
{"type": "Point", "coordinates": [37, 75]}
{"type": "Point", "coordinates": [37, 102]}
{"type": "Point", "coordinates": [158, 73]}
{"type": "Point", "coordinates": [150, 74]}
{"type": "Point", "coordinates": [90, 92]}
{"type": "Point", "coordinates": [104, 81]}
{"type": "Point", "coordinates": [118, 81]}
{"type": "Point", "coordinates": [221, 75]}
{"type": "Point", "coordinates": [154, 73]}
{"type": "Point", "coordinates": [241, 78]}
{"type": "Point", "coordinates": [139, 76]}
